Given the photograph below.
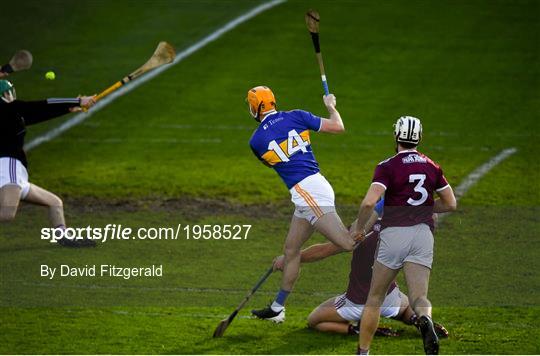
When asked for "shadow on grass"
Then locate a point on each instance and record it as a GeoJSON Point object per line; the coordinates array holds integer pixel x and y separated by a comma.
{"type": "Point", "coordinates": [297, 341]}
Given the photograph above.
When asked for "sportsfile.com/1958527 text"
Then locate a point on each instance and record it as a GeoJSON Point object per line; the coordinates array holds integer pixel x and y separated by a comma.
{"type": "Point", "coordinates": [120, 232]}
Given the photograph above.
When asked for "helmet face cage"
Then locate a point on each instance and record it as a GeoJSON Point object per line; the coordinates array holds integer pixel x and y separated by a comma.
{"type": "Point", "coordinates": [257, 113]}
{"type": "Point", "coordinates": [408, 129]}
{"type": "Point", "coordinates": [253, 114]}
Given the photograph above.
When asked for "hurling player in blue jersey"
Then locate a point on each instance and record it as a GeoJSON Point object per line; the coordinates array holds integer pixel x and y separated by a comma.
{"type": "Point", "coordinates": [282, 142]}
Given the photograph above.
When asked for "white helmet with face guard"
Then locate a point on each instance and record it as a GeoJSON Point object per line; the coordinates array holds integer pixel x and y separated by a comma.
{"type": "Point", "coordinates": [408, 129]}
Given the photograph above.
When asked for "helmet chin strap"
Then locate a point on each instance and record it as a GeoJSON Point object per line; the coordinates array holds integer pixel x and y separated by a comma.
{"type": "Point", "coordinates": [259, 112]}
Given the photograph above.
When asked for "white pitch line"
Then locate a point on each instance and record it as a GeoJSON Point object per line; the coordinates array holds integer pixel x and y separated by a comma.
{"type": "Point", "coordinates": [478, 173]}
{"type": "Point", "coordinates": [481, 171]}
{"type": "Point", "coordinates": [77, 119]}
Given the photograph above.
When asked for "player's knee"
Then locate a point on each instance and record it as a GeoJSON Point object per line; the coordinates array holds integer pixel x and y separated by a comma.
{"type": "Point", "coordinates": [345, 242]}
{"type": "Point", "coordinates": [7, 215]}
{"type": "Point", "coordinates": [313, 321]}
{"type": "Point", "coordinates": [56, 202]}
{"type": "Point", "coordinates": [316, 326]}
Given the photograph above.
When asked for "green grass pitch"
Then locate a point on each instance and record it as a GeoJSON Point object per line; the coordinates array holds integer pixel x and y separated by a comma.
{"type": "Point", "coordinates": [175, 151]}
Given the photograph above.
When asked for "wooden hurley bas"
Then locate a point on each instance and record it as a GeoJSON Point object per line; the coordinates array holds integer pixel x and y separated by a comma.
{"type": "Point", "coordinates": [163, 54]}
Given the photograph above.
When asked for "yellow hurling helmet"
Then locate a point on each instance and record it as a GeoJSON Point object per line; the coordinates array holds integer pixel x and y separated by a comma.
{"type": "Point", "coordinates": [260, 100]}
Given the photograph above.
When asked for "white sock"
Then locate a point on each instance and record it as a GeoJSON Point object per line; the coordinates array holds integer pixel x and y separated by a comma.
{"type": "Point", "coordinates": [276, 307]}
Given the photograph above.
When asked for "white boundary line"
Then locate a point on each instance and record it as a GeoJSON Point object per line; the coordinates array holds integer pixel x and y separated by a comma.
{"type": "Point", "coordinates": [77, 119]}
{"type": "Point", "coordinates": [481, 171]}
{"type": "Point", "coordinates": [478, 173]}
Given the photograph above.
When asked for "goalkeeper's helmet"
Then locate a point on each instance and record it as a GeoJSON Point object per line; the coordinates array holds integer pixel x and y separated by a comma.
{"type": "Point", "coordinates": [408, 129]}
{"type": "Point", "coordinates": [261, 101]}
{"type": "Point", "coordinates": [7, 91]}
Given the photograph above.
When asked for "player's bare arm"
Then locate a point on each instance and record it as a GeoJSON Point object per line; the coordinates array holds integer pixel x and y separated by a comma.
{"type": "Point", "coordinates": [334, 123]}
{"type": "Point", "coordinates": [310, 254]}
{"type": "Point", "coordinates": [366, 209]}
{"type": "Point", "coordinates": [372, 220]}
{"type": "Point", "coordinates": [446, 202]}
{"type": "Point", "coordinates": [319, 252]}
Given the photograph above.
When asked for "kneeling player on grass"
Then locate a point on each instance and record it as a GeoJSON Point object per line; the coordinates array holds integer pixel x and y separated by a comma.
{"type": "Point", "coordinates": [342, 313]}
{"type": "Point", "coordinates": [15, 115]}
{"type": "Point", "coordinates": [282, 142]}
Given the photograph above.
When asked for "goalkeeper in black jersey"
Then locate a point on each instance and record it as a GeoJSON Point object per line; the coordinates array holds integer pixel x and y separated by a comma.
{"type": "Point", "coordinates": [15, 115]}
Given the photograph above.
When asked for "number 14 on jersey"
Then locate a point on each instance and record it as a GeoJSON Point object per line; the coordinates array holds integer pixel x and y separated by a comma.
{"type": "Point", "coordinates": [295, 144]}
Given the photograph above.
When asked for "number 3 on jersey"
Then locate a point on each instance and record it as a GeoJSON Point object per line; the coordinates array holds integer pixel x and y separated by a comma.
{"type": "Point", "coordinates": [420, 178]}
{"type": "Point", "coordinates": [295, 143]}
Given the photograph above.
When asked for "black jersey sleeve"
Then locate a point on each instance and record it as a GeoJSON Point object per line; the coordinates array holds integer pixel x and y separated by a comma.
{"type": "Point", "coordinates": [35, 112]}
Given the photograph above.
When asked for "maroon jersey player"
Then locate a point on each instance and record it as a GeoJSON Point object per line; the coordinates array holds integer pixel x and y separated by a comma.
{"type": "Point", "coordinates": [340, 314]}
{"type": "Point", "coordinates": [408, 181]}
